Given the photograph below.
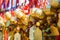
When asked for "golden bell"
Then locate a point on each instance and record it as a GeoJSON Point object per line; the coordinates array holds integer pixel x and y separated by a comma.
{"type": "Point", "coordinates": [37, 23]}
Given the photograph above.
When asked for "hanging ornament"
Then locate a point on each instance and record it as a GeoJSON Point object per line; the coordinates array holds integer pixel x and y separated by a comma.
{"type": "Point", "coordinates": [19, 13]}
{"type": "Point", "coordinates": [8, 15]}
{"type": "Point", "coordinates": [7, 23]}
{"type": "Point", "coordinates": [5, 35]}
{"type": "Point", "coordinates": [18, 28]}
{"type": "Point", "coordinates": [36, 12]}
{"type": "Point", "coordinates": [13, 19]}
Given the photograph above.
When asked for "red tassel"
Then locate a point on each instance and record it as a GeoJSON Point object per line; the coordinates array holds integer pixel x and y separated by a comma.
{"type": "Point", "coordinates": [6, 35]}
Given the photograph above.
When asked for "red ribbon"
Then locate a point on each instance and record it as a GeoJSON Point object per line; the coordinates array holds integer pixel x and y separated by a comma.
{"type": "Point", "coordinates": [5, 35]}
